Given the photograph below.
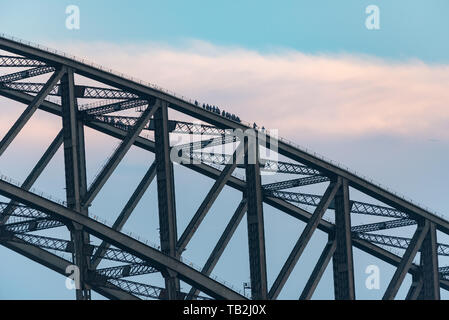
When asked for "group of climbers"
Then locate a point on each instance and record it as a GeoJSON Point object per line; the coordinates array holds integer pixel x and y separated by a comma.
{"type": "Point", "coordinates": [217, 110]}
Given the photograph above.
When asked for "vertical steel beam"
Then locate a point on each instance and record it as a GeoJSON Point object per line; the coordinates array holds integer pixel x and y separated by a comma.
{"type": "Point", "coordinates": [256, 233]}
{"type": "Point", "coordinates": [222, 243]}
{"type": "Point", "coordinates": [429, 265]}
{"type": "Point", "coordinates": [34, 174]}
{"type": "Point", "coordinates": [304, 239]}
{"type": "Point", "coordinates": [407, 260]}
{"type": "Point", "coordinates": [71, 128]}
{"type": "Point", "coordinates": [126, 212]}
{"type": "Point", "coordinates": [75, 175]}
{"type": "Point", "coordinates": [166, 193]}
{"type": "Point", "coordinates": [343, 265]}
{"type": "Point", "coordinates": [318, 270]}
{"type": "Point", "coordinates": [29, 111]}
{"type": "Point", "coordinates": [209, 199]}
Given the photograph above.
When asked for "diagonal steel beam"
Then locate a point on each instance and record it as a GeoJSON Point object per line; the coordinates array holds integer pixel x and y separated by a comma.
{"type": "Point", "coordinates": [34, 174]}
{"type": "Point", "coordinates": [102, 108]}
{"type": "Point", "coordinates": [141, 289]}
{"type": "Point", "coordinates": [80, 91]}
{"type": "Point", "coordinates": [43, 161]}
{"type": "Point", "coordinates": [166, 195]}
{"type": "Point", "coordinates": [396, 242]}
{"type": "Point", "coordinates": [210, 199]}
{"type": "Point", "coordinates": [134, 288]}
{"type": "Point", "coordinates": [221, 244]}
{"type": "Point", "coordinates": [390, 224]}
{"type": "Point", "coordinates": [356, 206]}
{"type": "Point", "coordinates": [304, 239]}
{"type": "Point", "coordinates": [318, 270]}
{"type": "Point", "coordinates": [31, 225]}
{"type": "Point", "coordinates": [315, 179]}
{"type": "Point", "coordinates": [123, 271]}
{"type": "Point", "coordinates": [15, 61]}
{"type": "Point", "coordinates": [16, 76]}
{"type": "Point", "coordinates": [407, 260]}
{"type": "Point", "coordinates": [29, 111]}
{"type": "Point", "coordinates": [126, 212]}
{"type": "Point", "coordinates": [118, 155]}
{"type": "Point", "coordinates": [21, 211]}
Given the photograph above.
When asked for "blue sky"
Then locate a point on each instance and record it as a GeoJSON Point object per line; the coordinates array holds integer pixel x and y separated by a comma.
{"type": "Point", "coordinates": [410, 157]}
{"type": "Point", "coordinates": [409, 29]}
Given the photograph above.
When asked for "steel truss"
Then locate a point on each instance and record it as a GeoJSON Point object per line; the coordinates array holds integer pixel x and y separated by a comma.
{"type": "Point", "coordinates": [28, 212]}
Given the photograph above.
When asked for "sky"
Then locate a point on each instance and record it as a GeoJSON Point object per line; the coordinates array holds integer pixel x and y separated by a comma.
{"type": "Point", "coordinates": [374, 100]}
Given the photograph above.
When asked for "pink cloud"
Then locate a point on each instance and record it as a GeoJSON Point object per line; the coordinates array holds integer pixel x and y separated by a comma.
{"type": "Point", "coordinates": [296, 93]}
{"type": "Point", "coordinates": [299, 94]}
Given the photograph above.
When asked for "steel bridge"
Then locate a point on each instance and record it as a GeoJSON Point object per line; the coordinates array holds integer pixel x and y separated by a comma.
{"type": "Point", "coordinates": [125, 108]}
